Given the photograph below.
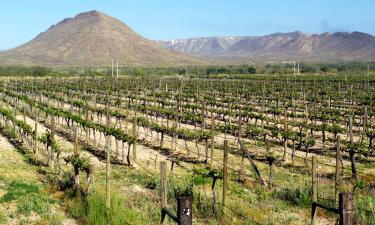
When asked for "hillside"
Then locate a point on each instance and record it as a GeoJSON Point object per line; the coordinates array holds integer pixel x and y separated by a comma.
{"type": "Point", "coordinates": [92, 39]}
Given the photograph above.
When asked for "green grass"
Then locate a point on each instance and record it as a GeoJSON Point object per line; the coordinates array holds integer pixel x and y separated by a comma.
{"type": "Point", "coordinates": [34, 202]}
{"type": "Point", "coordinates": [94, 211]}
{"type": "Point", "coordinates": [18, 189]}
{"type": "Point", "coordinates": [365, 207]}
{"type": "Point", "coordinates": [29, 198]}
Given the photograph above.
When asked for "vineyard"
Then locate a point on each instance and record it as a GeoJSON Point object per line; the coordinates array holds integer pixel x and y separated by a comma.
{"type": "Point", "coordinates": [256, 149]}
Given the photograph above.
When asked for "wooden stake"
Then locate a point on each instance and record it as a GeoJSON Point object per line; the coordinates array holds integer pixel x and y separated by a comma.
{"type": "Point", "coordinates": [108, 164]}
{"type": "Point", "coordinates": [184, 210]}
{"type": "Point", "coordinates": [337, 176]}
{"type": "Point", "coordinates": [225, 180]}
{"type": "Point", "coordinates": [314, 187]}
{"type": "Point", "coordinates": [36, 134]}
{"type": "Point", "coordinates": [163, 186]}
{"type": "Point", "coordinates": [76, 143]}
{"type": "Point", "coordinates": [347, 209]}
{"type": "Point", "coordinates": [135, 134]}
{"type": "Point", "coordinates": [351, 129]}
{"type": "Point", "coordinates": [212, 137]}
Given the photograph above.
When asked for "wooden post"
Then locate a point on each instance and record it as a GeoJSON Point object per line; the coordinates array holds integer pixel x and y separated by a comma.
{"type": "Point", "coordinates": [135, 134]}
{"type": "Point", "coordinates": [212, 136]}
{"type": "Point", "coordinates": [87, 129]}
{"type": "Point", "coordinates": [108, 164]}
{"type": "Point", "coordinates": [314, 196]}
{"type": "Point", "coordinates": [347, 209]}
{"type": "Point", "coordinates": [225, 179]}
{"type": "Point", "coordinates": [285, 140]}
{"type": "Point", "coordinates": [163, 186]}
{"type": "Point", "coordinates": [351, 130]}
{"type": "Point", "coordinates": [52, 138]}
{"type": "Point", "coordinates": [365, 123]}
{"type": "Point", "coordinates": [14, 110]}
{"type": "Point", "coordinates": [185, 210]}
{"type": "Point", "coordinates": [76, 143]}
{"type": "Point", "coordinates": [24, 114]}
{"type": "Point", "coordinates": [337, 176]}
{"type": "Point", "coordinates": [36, 134]}
{"type": "Point", "coordinates": [285, 120]}
{"type": "Point", "coordinates": [52, 127]}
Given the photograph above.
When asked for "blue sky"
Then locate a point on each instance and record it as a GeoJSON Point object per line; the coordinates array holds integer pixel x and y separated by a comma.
{"type": "Point", "coordinates": [21, 20]}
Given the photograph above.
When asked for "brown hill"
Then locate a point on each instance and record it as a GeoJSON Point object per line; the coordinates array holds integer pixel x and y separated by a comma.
{"type": "Point", "coordinates": [92, 39]}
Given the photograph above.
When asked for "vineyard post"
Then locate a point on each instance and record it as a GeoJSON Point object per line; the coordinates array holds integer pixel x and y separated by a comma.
{"type": "Point", "coordinates": [203, 115]}
{"type": "Point", "coordinates": [212, 136]}
{"type": "Point", "coordinates": [314, 196]}
{"type": "Point", "coordinates": [337, 176]}
{"type": "Point", "coordinates": [351, 129]}
{"type": "Point", "coordinates": [76, 143]}
{"type": "Point", "coordinates": [285, 119]}
{"type": "Point", "coordinates": [15, 114]}
{"type": "Point", "coordinates": [347, 209]}
{"type": "Point", "coordinates": [364, 123]}
{"type": "Point", "coordinates": [14, 107]}
{"type": "Point", "coordinates": [225, 180]}
{"type": "Point", "coordinates": [135, 137]}
{"type": "Point", "coordinates": [24, 114]}
{"type": "Point", "coordinates": [239, 128]}
{"type": "Point", "coordinates": [108, 163]}
{"type": "Point", "coordinates": [329, 103]}
{"type": "Point", "coordinates": [87, 129]}
{"type": "Point", "coordinates": [163, 186]}
{"type": "Point", "coordinates": [52, 138]}
{"type": "Point", "coordinates": [76, 155]}
{"type": "Point", "coordinates": [285, 140]}
{"type": "Point", "coordinates": [36, 133]}
{"type": "Point", "coordinates": [238, 144]}
{"type": "Point", "coordinates": [184, 210]}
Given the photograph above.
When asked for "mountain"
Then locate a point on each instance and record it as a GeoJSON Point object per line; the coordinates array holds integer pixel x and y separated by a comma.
{"type": "Point", "coordinates": [92, 39]}
{"type": "Point", "coordinates": [327, 47]}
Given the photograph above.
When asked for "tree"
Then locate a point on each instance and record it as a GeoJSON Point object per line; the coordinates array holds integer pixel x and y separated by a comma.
{"type": "Point", "coordinates": [252, 70]}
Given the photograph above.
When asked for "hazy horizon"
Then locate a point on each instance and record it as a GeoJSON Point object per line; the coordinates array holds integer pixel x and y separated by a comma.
{"type": "Point", "coordinates": [163, 20]}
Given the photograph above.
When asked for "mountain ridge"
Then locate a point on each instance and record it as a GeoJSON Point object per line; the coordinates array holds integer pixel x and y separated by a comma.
{"type": "Point", "coordinates": [338, 46]}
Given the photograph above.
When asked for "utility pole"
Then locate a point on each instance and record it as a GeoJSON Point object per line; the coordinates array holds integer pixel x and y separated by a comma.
{"type": "Point", "coordinates": [112, 67]}
{"type": "Point", "coordinates": [294, 67]}
{"type": "Point", "coordinates": [368, 70]}
{"type": "Point", "coordinates": [117, 70]}
{"type": "Point", "coordinates": [298, 67]}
